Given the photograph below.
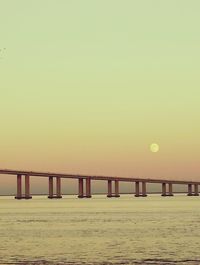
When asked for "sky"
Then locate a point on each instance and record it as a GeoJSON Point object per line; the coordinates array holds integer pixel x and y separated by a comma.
{"type": "Point", "coordinates": [87, 86]}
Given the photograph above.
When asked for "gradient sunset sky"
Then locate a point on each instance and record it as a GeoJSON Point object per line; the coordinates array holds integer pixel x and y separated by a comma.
{"type": "Point", "coordinates": [87, 86]}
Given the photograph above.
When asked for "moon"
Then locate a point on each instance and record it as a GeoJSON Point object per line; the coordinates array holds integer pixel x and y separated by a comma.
{"type": "Point", "coordinates": [154, 148]}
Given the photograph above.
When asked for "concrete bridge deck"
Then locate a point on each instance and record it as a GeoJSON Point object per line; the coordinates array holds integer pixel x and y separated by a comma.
{"type": "Point", "coordinates": [88, 178]}
{"type": "Point", "coordinates": [77, 176]}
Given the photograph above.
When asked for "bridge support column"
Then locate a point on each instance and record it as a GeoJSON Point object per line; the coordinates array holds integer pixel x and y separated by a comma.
{"type": "Point", "coordinates": [196, 190]}
{"type": "Point", "coordinates": [50, 188]}
{"type": "Point", "coordinates": [27, 187]}
{"type": "Point", "coordinates": [189, 190]}
{"type": "Point", "coordinates": [117, 189]}
{"type": "Point", "coordinates": [109, 195]}
{"type": "Point", "coordinates": [19, 187]}
{"type": "Point", "coordinates": [164, 191]}
{"type": "Point", "coordinates": [58, 187]}
{"type": "Point", "coordinates": [19, 195]}
{"type": "Point", "coordinates": [80, 188]}
{"type": "Point", "coordinates": [170, 190]}
{"type": "Point", "coordinates": [144, 189]}
{"type": "Point", "coordinates": [137, 189]}
{"type": "Point", "coordinates": [88, 188]}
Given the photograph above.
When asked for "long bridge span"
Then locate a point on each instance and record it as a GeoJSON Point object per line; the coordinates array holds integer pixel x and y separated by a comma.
{"type": "Point", "coordinates": [85, 180]}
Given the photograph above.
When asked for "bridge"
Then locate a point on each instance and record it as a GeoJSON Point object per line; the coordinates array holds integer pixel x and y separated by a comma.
{"type": "Point", "coordinates": [83, 180]}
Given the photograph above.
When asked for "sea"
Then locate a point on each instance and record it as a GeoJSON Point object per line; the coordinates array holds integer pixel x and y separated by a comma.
{"type": "Point", "coordinates": [100, 230]}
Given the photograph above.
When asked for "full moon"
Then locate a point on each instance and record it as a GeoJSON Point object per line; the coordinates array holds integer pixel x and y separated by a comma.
{"type": "Point", "coordinates": [154, 148]}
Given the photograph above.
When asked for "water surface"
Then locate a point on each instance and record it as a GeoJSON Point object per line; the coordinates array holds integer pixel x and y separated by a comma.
{"type": "Point", "coordinates": [100, 231]}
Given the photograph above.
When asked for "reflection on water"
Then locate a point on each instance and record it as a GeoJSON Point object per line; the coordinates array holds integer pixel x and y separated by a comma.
{"type": "Point", "coordinates": [100, 231]}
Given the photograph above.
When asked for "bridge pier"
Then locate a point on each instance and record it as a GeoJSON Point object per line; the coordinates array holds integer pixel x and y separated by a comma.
{"type": "Point", "coordinates": [196, 190]}
{"type": "Point", "coordinates": [27, 187]}
{"type": "Point", "coordinates": [164, 190]}
{"type": "Point", "coordinates": [19, 187]}
{"type": "Point", "coordinates": [87, 188]}
{"type": "Point", "coordinates": [137, 189]}
{"type": "Point", "coordinates": [19, 194]}
{"type": "Point", "coordinates": [144, 189]}
{"type": "Point", "coordinates": [110, 193]}
{"type": "Point", "coordinates": [80, 188]}
{"type": "Point", "coordinates": [190, 190]}
{"type": "Point", "coordinates": [116, 189]}
{"type": "Point", "coordinates": [190, 193]}
{"type": "Point", "coordinates": [58, 188]}
{"type": "Point", "coordinates": [170, 190]}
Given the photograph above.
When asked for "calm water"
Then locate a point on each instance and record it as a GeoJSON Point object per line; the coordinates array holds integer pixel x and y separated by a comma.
{"type": "Point", "coordinates": [126, 230]}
